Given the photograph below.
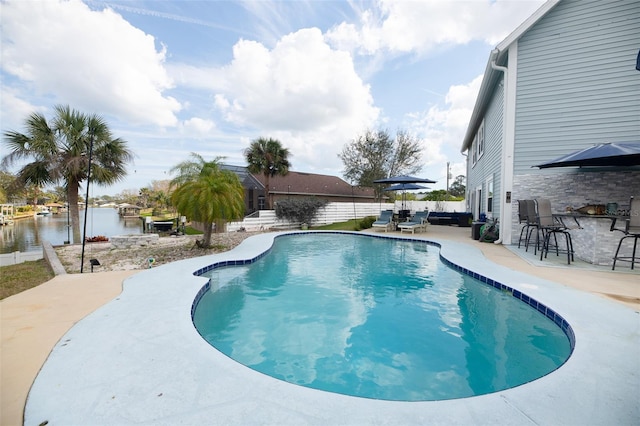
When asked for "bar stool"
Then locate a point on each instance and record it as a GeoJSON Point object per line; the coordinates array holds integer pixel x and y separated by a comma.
{"type": "Point", "coordinates": [630, 230]}
{"type": "Point", "coordinates": [550, 226]}
{"type": "Point", "coordinates": [533, 224]}
{"type": "Point", "coordinates": [522, 218]}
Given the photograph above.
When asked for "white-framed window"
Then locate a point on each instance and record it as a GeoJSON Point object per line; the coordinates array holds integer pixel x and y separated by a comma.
{"type": "Point", "coordinates": [489, 193]}
{"type": "Point", "coordinates": [480, 140]}
{"type": "Point", "coordinates": [477, 202]}
{"type": "Point", "coordinates": [474, 151]}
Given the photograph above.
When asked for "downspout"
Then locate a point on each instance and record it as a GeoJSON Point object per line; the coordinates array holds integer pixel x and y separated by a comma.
{"type": "Point", "coordinates": [494, 56]}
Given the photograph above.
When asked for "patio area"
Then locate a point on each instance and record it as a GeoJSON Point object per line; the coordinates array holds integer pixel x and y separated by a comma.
{"type": "Point", "coordinates": [592, 386]}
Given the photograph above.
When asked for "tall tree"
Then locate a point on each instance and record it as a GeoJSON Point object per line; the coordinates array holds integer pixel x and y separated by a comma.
{"type": "Point", "coordinates": [269, 158]}
{"type": "Point", "coordinates": [458, 187]}
{"type": "Point", "coordinates": [205, 193]}
{"type": "Point", "coordinates": [9, 190]}
{"type": "Point", "coordinates": [60, 150]}
{"type": "Point", "coordinates": [375, 155]}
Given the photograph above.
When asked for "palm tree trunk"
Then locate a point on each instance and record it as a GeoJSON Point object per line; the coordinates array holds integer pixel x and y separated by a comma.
{"type": "Point", "coordinates": [72, 198]}
{"type": "Point", "coordinates": [267, 195]}
{"type": "Point", "coordinates": [206, 238]}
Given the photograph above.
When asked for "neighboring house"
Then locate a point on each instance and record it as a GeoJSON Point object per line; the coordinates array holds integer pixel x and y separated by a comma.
{"type": "Point", "coordinates": [253, 188]}
{"type": "Point", "coordinates": [298, 185]}
{"type": "Point", "coordinates": [562, 81]}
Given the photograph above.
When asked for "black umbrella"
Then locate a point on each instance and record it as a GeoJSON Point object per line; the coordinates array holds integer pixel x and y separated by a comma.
{"type": "Point", "coordinates": [404, 179]}
{"type": "Point", "coordinates": [605, 154]}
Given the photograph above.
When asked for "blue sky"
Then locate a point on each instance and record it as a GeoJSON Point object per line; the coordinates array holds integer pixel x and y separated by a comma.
{"type": "Point", "coordinates": [173, 77]}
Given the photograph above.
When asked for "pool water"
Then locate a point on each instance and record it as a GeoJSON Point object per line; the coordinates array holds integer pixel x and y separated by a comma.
{"type": "Point", "coordinates": [375, 318]}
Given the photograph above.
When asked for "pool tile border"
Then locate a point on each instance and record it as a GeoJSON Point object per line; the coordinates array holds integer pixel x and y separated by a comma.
{"type": "Point", "coordinates": [558, 319]}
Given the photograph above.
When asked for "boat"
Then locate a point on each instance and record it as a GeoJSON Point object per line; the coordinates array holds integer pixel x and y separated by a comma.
{"type": "Point", "coordinates": [43, 211]}
{"type": "Point", "coordinates": [5, 220]}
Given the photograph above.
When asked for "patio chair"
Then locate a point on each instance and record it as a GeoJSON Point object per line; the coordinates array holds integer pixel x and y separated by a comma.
{"type": "Point", "coordinates": [385, 221]}
{"type": "Point", "coordinates": [417, 223]}
{"type": "Point", "coordinates": [533, 225]}
{"type": "Point", "coordinates": [523, 215]}
{"type": "Point", "coordinates": [552, 226]}
{"type": "Point", "coordinates": [631, 230]}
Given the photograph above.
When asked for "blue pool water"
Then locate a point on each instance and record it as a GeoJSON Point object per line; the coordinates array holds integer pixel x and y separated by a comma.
{"type": "Point", "coordinates": [376, 318]}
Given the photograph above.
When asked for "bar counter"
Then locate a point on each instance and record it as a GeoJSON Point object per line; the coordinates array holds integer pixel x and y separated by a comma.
{"type": "Point", "coordinates": [594, 241]}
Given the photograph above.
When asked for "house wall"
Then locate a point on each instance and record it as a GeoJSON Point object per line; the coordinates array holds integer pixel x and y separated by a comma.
{"type": "Point", "coordinates": [576, 82]}
{"type": "Point", "coordinates": [488, 165]}
{"type": "Point", "coordinates": [576, 86]}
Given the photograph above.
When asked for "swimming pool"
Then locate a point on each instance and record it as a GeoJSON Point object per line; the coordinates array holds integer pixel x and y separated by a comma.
{"type": "Point", "coordinates": [378, 318]}
{"type": "Point", "coordinates": [143, 361]}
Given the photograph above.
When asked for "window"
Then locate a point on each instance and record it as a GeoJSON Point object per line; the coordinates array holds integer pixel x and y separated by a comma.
{"type": "Point", "coordinates": [477, 147]}
{"type": "Point", "coordinates": [474, 151]}
{"type": "Point", "coordinates": [480, 139]}
{"type": "Point", "coordinates": [478, 203]}
{"type": "Point", "coordinates": [251, 203]}
{"type": "Point", "coordinates": [490, 197]}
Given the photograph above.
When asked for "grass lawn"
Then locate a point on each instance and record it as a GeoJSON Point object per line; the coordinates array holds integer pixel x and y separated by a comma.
{"type": "Point", "coordinates": [23, 276]}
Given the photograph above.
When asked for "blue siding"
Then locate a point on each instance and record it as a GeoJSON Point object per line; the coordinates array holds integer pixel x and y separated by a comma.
{"type": "Point", "coordinates": [576, 83]}
{"type": "Point", "coordinates": [489, 164]}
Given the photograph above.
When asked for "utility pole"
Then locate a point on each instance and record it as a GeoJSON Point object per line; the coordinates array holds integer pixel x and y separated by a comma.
{"type": "Point", "coordinates": [448, 177]}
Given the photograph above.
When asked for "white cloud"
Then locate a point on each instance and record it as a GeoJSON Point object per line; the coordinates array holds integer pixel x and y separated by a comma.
{"type": "Point", "coordinates": [421, 26]}
{"type": "Point", "coordinates": [443, 127]}
{"type": "Point", "coordinates": [92, 60]}
{"type": "Point", "coordinates": [15, 110]}
{"type": "Point", "coordinates": [301, 91]}
{"type": "Point", "coordinates": [198, 126]}
{"type": "Point", "coordinates": [300, 84]}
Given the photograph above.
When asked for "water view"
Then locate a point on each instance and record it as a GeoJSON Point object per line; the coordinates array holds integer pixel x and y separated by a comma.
{"type": "Point", "coordinates": [27, 234]}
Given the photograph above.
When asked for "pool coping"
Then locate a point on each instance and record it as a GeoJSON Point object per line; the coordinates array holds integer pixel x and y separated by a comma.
{"type": "Point", "coordinates": [139, 359]}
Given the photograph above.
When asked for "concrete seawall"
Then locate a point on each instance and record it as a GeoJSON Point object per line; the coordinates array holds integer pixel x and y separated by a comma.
{"type": "Point", "coordinates": [50, 256]}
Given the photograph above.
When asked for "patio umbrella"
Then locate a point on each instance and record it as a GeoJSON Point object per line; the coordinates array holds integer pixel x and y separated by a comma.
{"type": "Point", "coordinates": [605, 154]}
{"type": "Point", "coordinates": [404, 179]}
{"type": "Point", "coordinates": [404, 187]}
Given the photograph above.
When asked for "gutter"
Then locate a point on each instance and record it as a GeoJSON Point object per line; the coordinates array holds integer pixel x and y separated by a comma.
{"type": "Point", "coordinates": [494, 56]}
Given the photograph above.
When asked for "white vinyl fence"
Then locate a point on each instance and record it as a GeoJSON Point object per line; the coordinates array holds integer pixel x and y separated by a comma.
{"type": "Point", "coordinates": [341, 212]}
{"type": "Point", "coordinates": [19, 257]}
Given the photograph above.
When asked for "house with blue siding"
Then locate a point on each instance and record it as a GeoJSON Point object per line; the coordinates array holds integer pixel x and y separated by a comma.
{"type": "Point", "coordinates": [564, 80]}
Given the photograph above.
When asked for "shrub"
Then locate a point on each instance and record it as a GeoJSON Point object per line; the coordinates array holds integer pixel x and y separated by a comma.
{"type": "Point", "coordinates": [301, 210]}
{"type": "Point", "coordinates": [365, 223]}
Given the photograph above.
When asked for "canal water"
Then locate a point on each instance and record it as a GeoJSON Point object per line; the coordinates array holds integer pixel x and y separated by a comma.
{"type": "Point", "coordinates": [27, 234]}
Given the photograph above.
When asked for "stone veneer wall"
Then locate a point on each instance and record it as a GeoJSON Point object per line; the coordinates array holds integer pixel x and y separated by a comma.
{"type": "Point", "coordinates": [134, 240]}
{"type": "Point", "coordinates": [577, 190]}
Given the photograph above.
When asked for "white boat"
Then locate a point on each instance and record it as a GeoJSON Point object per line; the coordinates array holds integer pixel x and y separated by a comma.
{"type": "Point", "coordinates": [43, 211]}
{"type": "Point", "coordinates": [5, 220]}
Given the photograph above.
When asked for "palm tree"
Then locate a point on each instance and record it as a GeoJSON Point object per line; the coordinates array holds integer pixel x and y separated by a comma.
{"type": "Point", "coordinates": [59, 149]}
{"type": "Point", "coordinates": [206, 193]}
{"type": "Point", "coordinates": [268, 157]}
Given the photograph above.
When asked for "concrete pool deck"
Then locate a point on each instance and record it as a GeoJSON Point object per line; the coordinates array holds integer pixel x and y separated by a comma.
{"type": "Point", "coordinates": [138, 359]}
